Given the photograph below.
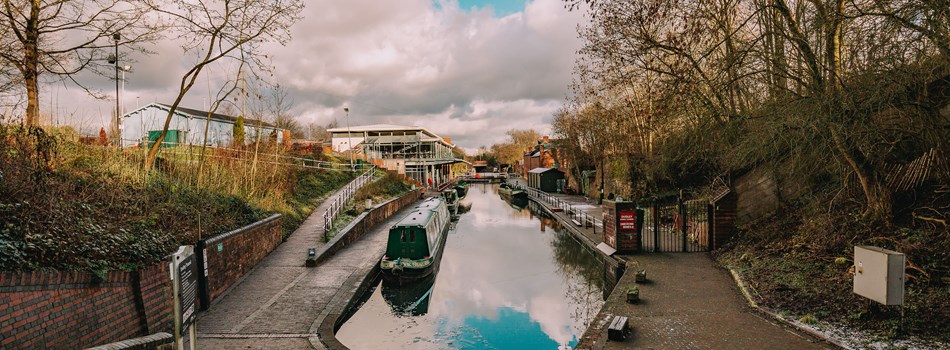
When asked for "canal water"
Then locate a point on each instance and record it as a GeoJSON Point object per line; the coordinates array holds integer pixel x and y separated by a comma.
{"type": "Point", "coordinates": [510, 278]}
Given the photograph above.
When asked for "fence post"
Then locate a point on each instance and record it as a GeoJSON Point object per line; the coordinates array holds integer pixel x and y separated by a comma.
{"type": "Point", "coordinates": [682, 210]}
{"type": "Point", "coordinates": [709, 226]}
{"type": "Point", "coordinates": [204, 299]}
{"type": "Point", "coordinates": [656, 227]}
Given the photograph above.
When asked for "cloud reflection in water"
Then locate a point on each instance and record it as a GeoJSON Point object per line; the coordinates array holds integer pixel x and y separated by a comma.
{"type": "Point", "coordinates": [508, 279]}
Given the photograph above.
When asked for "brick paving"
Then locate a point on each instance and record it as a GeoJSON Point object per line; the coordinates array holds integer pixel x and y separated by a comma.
{"type": "Point", "coordinates": [690, 303]}
{"type": "Point", "coordinates": [280, 303]}
{"type": "Point", "coordinates": [687, 303]}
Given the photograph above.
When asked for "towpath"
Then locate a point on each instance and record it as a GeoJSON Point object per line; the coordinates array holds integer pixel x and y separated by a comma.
{"type": "Point", "coordinates": [280, 304]}
{"type": "Point", "coordinates": [689, 302]}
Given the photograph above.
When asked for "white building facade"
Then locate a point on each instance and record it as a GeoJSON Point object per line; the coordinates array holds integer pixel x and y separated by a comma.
{"type": "Point", "coordinates": [188, 127]}
{"type": "Point", "coordinates": [413, 151]}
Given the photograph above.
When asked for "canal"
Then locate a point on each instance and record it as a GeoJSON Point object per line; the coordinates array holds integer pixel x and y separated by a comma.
{"type": "Point", "coordinates": [510, 278]}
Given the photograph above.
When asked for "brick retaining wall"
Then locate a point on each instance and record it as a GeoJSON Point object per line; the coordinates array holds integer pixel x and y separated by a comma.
{"type": "Point", "coordinates": [68, 310]}
{"type": "Point", "coordinates": [225, 258]}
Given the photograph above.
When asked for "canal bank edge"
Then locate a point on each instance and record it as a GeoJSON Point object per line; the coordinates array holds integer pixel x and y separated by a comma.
{"type": "Point", "coordinates": [345, 301]}
{"type": "Point", "coordinates": [614, 266]}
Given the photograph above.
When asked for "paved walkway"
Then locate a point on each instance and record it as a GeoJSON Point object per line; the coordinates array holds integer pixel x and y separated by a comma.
{"type": "Point", "coordinates": [688, 303]}
{"type": "Point", "coordinates": [281, 304]}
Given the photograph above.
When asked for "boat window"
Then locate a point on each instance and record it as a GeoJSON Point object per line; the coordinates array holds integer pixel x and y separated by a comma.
{"type": "Point", "coordinates": [402, 236]}
{"type": "Point", "coordinates": [412, 236]}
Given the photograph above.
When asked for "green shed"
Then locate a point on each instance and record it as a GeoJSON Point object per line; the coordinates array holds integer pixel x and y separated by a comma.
{"type": "Point", "coordinates": [544, 179]}
{"type": "Point", "coordinates": [172, 138]}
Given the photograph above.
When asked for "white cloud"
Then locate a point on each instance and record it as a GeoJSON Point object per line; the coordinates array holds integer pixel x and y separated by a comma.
{"type": "Point", "coordinates": [463, 73]}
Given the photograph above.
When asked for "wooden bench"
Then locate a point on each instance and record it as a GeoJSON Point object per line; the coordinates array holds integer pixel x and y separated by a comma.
{"type": "Point", "coordinates": [619, 329]}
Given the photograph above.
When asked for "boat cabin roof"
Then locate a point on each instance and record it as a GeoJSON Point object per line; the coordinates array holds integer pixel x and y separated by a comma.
{"type": "Point", "coordinates": [421, 214]}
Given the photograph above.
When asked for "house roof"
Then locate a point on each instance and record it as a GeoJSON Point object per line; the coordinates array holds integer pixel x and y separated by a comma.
{"type": "Point", "coordinates": [378, 127]}
{"type": "Point", "coordinates": [197, 113]}
{"type": "Point", "coordinates": [420, 214]}
{"type": "Point", "coordinates": [538, 170]}
{"type": "Point", "coordinates": [392, 127]}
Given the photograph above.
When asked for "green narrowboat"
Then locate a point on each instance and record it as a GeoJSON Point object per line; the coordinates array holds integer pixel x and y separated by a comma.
{"type": "Point", "coordinates": [510, 193]}
{"type": "Point", "coordinates": [416, 242]}
{"type": "Point", "coordinates": [461, 188]}
{"type": "Point", "coordinates": [451, 198]}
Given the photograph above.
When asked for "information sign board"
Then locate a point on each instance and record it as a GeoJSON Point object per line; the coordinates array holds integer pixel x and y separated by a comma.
{"type": "Point", "coordinates": [628, 220]}
{"type": "Point", "coordinates": [186, 280]}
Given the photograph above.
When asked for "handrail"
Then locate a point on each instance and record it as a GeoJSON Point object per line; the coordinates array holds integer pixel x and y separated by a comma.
{"type": "Point", "coordinates": [575, 213]}
{"type": "Point", "coordinates": [278, 159]}
{"type": "Point", "coordinates": [338, 201]}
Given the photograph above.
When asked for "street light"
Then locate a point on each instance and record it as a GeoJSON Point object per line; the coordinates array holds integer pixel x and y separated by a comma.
{"type": "Point", "coordinates": [115, 61]}
{"type": "Point", "coordinates": [124, 69]}
{"type": "Point", "coordinates": [349, 137]}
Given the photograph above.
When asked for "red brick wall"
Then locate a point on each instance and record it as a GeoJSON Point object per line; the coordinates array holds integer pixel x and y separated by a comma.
{"type": "Point", "coordinates": [68, 310]}
{"type": "Point", "coordinates": [241, 250]}
{"type": "Point", "coordinates": [624, 241]}
{"type": "Point", "coordinates": [610, 223]}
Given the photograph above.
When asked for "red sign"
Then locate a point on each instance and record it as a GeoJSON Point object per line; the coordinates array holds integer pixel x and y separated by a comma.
{"type": "Point", "coordinates": [628, 220]}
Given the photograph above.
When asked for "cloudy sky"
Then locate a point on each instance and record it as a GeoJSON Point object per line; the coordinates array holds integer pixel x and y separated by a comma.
{"type": "Point", "coordinates": [467, 69]}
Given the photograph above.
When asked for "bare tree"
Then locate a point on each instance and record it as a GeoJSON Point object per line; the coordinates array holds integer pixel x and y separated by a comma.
{"type": "Point", "coordinates": [65, 37]}
{"type": "Point", "coordinates": [813, 82]}
{"type": "Point", "coordinates": [280, 105]}
{"type": "Point", "coordinates": [223, 30]}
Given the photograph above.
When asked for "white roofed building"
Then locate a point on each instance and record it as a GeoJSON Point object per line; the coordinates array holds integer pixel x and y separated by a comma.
{"type": "Point", "coordinates": [413, 151]}
{"type": "Point", "coordinates": [142, 126]}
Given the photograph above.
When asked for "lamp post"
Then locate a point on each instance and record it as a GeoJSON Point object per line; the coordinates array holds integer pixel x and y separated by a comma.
{"type": "Point", "coordinates": [124, 69]}
{"type": "Point", "coordinates": [349, 137]}
{"type": "Point", "coordinates": [115, 61]}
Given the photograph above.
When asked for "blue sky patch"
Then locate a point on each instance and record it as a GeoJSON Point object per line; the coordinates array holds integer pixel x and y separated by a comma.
{"type": "Point", "coordinates": [512, 329]}
{"type": "Point", "coordinates": [501, 7]}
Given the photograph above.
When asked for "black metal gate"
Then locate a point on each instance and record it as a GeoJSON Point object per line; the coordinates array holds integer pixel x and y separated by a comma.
{"type": "Point", "coordinates": [677, 227]}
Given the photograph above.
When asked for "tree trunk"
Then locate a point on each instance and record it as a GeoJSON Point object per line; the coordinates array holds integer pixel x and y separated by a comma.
{"type": "Point", "coordinates": [30, 66]}
{"type": "Point", "coordinates": [32, 98]}
{"type": "Point", "coordinates": [879, 206]}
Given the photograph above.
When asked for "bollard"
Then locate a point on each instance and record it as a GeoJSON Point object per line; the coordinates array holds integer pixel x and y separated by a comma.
{"type": "Point", "coordinates": [311, 257]}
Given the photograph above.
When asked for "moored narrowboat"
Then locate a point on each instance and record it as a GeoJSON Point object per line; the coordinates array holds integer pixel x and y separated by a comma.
{"type": "Point", "coordinates": [451, 198]}
{"type": "Point", "coordinates": [461, 188]}
{"type": "Point", "coordinates": [416, 242]}
{"type": "Point", "coordinates": [509, 192]}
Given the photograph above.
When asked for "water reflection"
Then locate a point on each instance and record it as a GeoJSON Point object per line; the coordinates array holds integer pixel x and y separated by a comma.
{"type": "Point", "coordinates": [409, 299]}
{"type": "Point", "coordinates": [509, 278]}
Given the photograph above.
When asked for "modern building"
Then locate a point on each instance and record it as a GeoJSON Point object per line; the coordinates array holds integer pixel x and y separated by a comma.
{"type": "Point", "coordinates": [145, 124]}
{"type": "Point", "coordinates": [413, 151]}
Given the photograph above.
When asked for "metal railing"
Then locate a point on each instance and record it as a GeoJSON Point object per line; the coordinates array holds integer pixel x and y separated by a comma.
{"type": "Point", "coordinates": [579, 215]}
{"type": "Point", "coordinates": [338, 201]}
{"type": "Point", "coordinates": [212, 151]}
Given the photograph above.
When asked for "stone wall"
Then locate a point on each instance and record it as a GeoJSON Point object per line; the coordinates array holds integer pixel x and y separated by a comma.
{"type": "Point", "coordinates": [227, 257]}
{"type": "Point", "coordinates": [758, 194]}
{"type": "Point", "coordinates": [68, 310]}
